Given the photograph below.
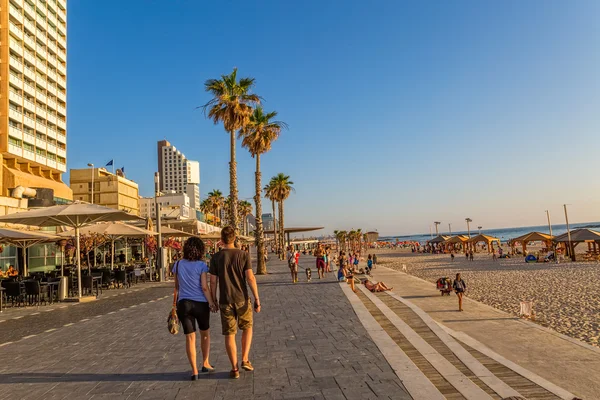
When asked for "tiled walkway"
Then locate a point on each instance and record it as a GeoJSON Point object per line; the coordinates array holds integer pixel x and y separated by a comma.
{"type": "Point", "coordinates": [308, 343]}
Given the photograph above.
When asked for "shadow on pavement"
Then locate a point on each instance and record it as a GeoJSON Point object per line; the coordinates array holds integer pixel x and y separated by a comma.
{"type": "Point", "coordinates": [479, 319]}
{"type": "Point", "coordinates": [148, 377]}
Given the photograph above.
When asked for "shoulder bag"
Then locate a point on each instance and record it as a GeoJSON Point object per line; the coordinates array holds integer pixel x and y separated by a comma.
{"type": "Point", "coordinates": [173, 320]}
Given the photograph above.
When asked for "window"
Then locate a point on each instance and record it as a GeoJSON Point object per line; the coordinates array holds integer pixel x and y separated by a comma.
{"type": "Point", "coordinates": [43, 255]}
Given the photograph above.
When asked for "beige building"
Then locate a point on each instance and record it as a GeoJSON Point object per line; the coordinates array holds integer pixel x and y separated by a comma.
{"type": "Point", "coordinates": [33, 96]}
{"type": "Point", "coordinates": [110, 190]}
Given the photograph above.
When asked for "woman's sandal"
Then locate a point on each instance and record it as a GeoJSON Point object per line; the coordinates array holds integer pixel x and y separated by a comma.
{"type": "Point", "coordinates": [234, 373]}
{"type": "Point", "coordinates": [194, 377]}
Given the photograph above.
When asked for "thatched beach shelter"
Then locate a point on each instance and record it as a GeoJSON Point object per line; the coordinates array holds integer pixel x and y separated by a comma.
{"type": "Point", "coordinates": [583, 235]}
{"type": "Point", "coordinates": [489, 240]}
{"type": "Point", "coordinates": [531, 237]}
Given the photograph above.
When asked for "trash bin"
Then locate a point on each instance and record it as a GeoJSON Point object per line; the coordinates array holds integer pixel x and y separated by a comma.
{"type": "Point", "coordinates": [63, 288]}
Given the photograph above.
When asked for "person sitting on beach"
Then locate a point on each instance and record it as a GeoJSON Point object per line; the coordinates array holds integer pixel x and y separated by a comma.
{"type": "Point", "coordinates": [376, 286]}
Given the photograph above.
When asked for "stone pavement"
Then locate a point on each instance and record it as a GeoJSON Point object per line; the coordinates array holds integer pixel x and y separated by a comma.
{"type": "Point", "coordinates": [566, 362]}
{"type": "Point", "coordinates": [308, 343]}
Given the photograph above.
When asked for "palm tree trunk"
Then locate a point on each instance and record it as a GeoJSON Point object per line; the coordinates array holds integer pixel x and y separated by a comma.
{"type": "Point", "coordinates": [275, 228]}
{"type": "Point", "coordinates": [261, 266]}
{"type": "Point", "coordinates": [233, 191]}
{"type": "Point", "coordinates": [281, 229]}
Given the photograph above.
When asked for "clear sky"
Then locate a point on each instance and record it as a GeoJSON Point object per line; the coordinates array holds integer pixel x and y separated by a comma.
{"type": "Point", "coordinates": [400, 112]}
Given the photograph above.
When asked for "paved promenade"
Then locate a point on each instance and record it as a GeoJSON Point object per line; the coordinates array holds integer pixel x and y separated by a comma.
{"type": "Point", "coordinates": [565, 362]}
{"type": "Point", "coordinates": [308, 343]}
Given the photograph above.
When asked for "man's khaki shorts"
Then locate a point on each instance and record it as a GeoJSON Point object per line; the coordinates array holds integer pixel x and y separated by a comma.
{"type": "Point", "coordinates": [236, 315]}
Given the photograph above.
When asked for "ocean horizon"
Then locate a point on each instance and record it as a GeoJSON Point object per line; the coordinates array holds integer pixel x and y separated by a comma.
{"type": "Point", "coordinates": [503, 234]}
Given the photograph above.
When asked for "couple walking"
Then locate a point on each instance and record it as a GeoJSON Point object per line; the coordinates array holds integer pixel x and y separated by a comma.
{"type": "Point", "coordinates": [196, 293]}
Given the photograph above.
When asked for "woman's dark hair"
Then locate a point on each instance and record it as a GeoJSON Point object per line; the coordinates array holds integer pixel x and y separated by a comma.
{"type": "Point", "coordinates": [457, 275]}
{"type": "Point", "coordinates": [193, 249]}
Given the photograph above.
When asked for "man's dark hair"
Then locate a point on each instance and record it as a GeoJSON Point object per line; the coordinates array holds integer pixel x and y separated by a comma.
{"type": "Point", "coordinates": [193, 249]}
{"type": "Point", "coordinates": [228, 235]}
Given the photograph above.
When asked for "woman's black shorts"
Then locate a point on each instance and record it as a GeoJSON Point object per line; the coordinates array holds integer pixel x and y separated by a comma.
{"type": "Point", "coordinates": [190, 311]}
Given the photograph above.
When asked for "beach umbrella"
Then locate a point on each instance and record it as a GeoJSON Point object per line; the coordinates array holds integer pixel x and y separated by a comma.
{"type": "Point", "coordinates": [24, 240]}
{"type": "Point", "coordinates": [167, 232]}
{"type": "Point", "coordinates": [114, 231]}
{"type": "Point", "coordinates": [75, 215]}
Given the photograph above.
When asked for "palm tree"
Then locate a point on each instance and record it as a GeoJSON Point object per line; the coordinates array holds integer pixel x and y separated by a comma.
{"type": "Point", "coordinates": [206, 207]}
{"type": "Point", "coordinates": [245, 209]}
{"type": "Point", "coordinates": [282, 186]}
{"type": "Point", "coordinates": [232, 105]}
{"type": "Point", "coordinates": [341, 237]}
{"type": "Point", "coordinates": [218, 201]}
{"type": "Point", "coordinates": [270, 194]}
{"type": "Point", "coordinates": [257, 137]}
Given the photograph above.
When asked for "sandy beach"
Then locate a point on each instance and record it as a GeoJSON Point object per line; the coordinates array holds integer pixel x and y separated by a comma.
{"type": "Point", "coordinates": [566, 296]}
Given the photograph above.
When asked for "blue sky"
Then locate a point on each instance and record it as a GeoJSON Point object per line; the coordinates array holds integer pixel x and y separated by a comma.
{"type": "Point", "coordinates": [400, 113]}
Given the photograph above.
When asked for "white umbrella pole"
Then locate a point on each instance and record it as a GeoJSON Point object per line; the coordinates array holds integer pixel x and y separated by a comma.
{"type": "Point", "coordinates": [24, 261]}
{"type": "Point", "coordinates": [112, 256]}
{"type": "Point", "coordinates": [125, 251]}
{"type": "Point", "coordinates": [78, 262]}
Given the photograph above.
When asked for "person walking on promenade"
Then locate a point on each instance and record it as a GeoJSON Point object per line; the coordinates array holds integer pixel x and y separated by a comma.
{"type": "Point", "coordinates": [326, 261]}
{"type": "Point", "coordinates": [342, 271]}
{"type": "Point", "coordinates": [375, 260]}
{"type": "Point", "coordinates": [293, 264]}
{"type": "Point", "coordinates": [459, 287]}
{"type": "Point", "coordinates": [194, 302]}
{"type": "Point", "coordinates": [471, 255]}
{"type": "Point", "coordinates": [369, 264]}
{"type": "Point", "coordinates": [231, 270]}
{"type": "Point", "coordinates": [319, 253]}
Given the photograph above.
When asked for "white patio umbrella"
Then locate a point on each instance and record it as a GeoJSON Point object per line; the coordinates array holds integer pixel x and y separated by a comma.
{"type": "Point", "coordinates": [167, 232]}
{"type": "Point", "coordinates": [24, 240]}
{"type": "Point", "coordinates": [76, 215]}
{"type": "Point", "coordinates": [114, 231]}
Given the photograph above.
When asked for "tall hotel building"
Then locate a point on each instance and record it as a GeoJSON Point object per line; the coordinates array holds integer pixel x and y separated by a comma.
{"type": "Point", "coordinates": [33, 96]}
{"type": "Point", "coordinates": [178, 174]}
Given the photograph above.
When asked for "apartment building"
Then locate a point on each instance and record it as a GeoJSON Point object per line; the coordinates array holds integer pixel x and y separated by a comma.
{"type": "Point", "coordinates": [177, 173]}
{"type": "Point", "coordinates": [33, 96]}
{"type": "Point", "coordinates": [172, 206]}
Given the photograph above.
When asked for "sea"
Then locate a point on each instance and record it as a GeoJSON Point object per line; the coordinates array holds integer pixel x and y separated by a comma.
{"type": "Point", "coordinates": [504, 234]}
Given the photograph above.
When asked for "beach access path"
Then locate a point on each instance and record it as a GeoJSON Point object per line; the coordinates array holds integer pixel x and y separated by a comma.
{"type": "Point", "coordinates": [308, 344]}
{"type": "Point", "coordinates": [568, 363]}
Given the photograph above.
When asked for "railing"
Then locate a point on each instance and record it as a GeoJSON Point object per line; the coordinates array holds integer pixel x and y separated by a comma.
{"type": "Point", "coordinates": [16, 13]}
{"type": "Point", "coordinates": [29, 138]}
{"type": "Point", "coordinates": [29, 25]}
{"type": "Point", "coordinates": [16, 115]}
{"type": "Point", "coordinates": [15, 132]}
{"type": "Point", "coordinates": [29, 105]}
{"type": "Point", "coordinates": [61, 152]}
{"type": "Point", "coordinates": [61, 167]}
{"type": "Point", "coordinates": [15, 30]}
{"type": "Point", "coordinates": [16, 150]}
{"type": "Point", "coordinates": [16, 97]}
{"type": "Point", "coordinates": [28, 72]}
{"type": "Point", "coordinates": [15, 80]}
{"type": "Point", "coordinates": [16, 47]}
{"type": "Point", "coordinates": [30, 155]}
{"type": "Point", "coordinates": [61, 138]}
{"type": "Point", "coordinates": [29, 10]}
{"type": "Point", "coordinates": [51, 132]}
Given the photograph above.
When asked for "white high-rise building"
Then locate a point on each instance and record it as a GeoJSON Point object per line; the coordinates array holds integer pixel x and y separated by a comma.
{"type": "Point", "coordinates": [178, 174]}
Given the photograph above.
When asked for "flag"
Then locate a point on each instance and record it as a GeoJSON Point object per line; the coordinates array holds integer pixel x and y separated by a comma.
{"type": "Point", "coordinates": [110, 163]}
{"type": "Point", "coordinates": [123, 169]}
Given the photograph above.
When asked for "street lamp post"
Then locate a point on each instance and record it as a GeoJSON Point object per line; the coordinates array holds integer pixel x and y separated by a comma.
{"type": "Point", "coordinates": [549, 224]}
{"type": "Point", "coordinates": [450, 229]}
{"type": "Point", "coordinates": [159, 255]}
{"type": "Point", "coordinates": [469, 220]}
{"type": "Point", "coordinates": [571, 252]}
{"type": "Point", "coordinates": [479, 227]}
{"type": "Point", "coordinates": [436, 228]}
{"type": "Point", "coordinates": [92, 166]}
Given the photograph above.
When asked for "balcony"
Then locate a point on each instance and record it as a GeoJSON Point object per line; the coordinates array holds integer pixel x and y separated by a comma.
{"type": "Point", "coordinates": [41, 159]}
{"type": "Point", "coordinates": [30, 155]}
{"type": "Point", "coordinates": [40, 127]}
{"type": "Point", "coordinates": [15, 132]}
{"type": "Point", "coordinates": [51, 120]}
{"type": "Point", "coordinates": [51, 103]}
{"type": "Point", "coordinates": [52, 89]}
{"type": "Point", "coordinates": [30, 90]}
{"type": "Point", "coordinates": [29, 11]}
{"type": "Point", "coordinates": [61, 124]}
{"type": "Point", "coordinates": [61, 13]}
{"type": "Point", "coordinates": [16, 150]}
{"type": "Point", "coordinates": [29, 106]}
{"type": "Point", "coordinates": [61, 167]}
{"type": "Point", "coordinates": [51, 132]}
{"type": "Point", "coordinates": [29, 42]}
{"type": "Point", "coordinates": [62, 138]}
{"type": "Point", "coordinates": [52, 46]}
{"type": "Point", "coordinates": [15, 30]}
{"type": "Point", "coordinates": [16, 63]}
{"type": "Point", "coordinates": [42, 113]}
{"type": "Point", "coordinates": [52, 74]}
{"type": "Point", "coordinates": [51, 163]}
{"type": "Point", "coordinates": [28, 138]}
{"type": "Point", "coordinates": [61, 55]}
{"type": "Point", "coordinates": [17, 98]}
{"type": "Point", "coordinates": [52, 34]}
{"type": "Point", "coordinates": [51, 19]}
{"type": "Point", "coordinates": [62, 95]}
{"type": "Point", "coordinates": [16, 47]}
{"type": "Point", "coordinates": [16, 14]}
{"type": "Point", "coordinates": [51, 148]}
{"type": "Point", "coordinates": [30, 73]}
{"type": "Point", "coordinates": [16, 115]}
{"type": "Point", "coordinates": [42, 52]}
{"type": "Point", "coordinates": [41, 22]}
{"type": "Point", "coordinates": [41, 143]}
{"type": "Point", "coordinates": [28, 121]}
{"type": "Point", "coordinates": [61, 152]}
{"type": "Point", "coordinates": [42, 97]}
{"type": "Point", "coordinates": [61, 69]}
{"type": "Point", "coordinates": [29, 57]}
{"type": "Point", "coordinates": [15, 80]}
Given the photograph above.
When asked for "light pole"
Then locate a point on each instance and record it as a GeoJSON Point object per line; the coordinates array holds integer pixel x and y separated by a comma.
{"type": "Point", "coordinates": [436, 228]}
{"type": "Point", "coordinates": [469, 220]}
{"type": "Point", "coordinates": [549, 224]}
{"type": "Point", "coordinates": [479, 227]}
{"type": "Point", "coordinates": [92, 166]}
{"type": "Point", "coordinates": [159, 255]}
{"type": "Point", "coordinates": [430, 234]}
{"type": "Point", "coordinates": [450, 229]}
{"type": "Point", "coordinates": [571, 253]}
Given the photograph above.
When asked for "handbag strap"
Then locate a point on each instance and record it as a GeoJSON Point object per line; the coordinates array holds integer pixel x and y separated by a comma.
{"type": "Point", "coordinates": [175, 289]}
